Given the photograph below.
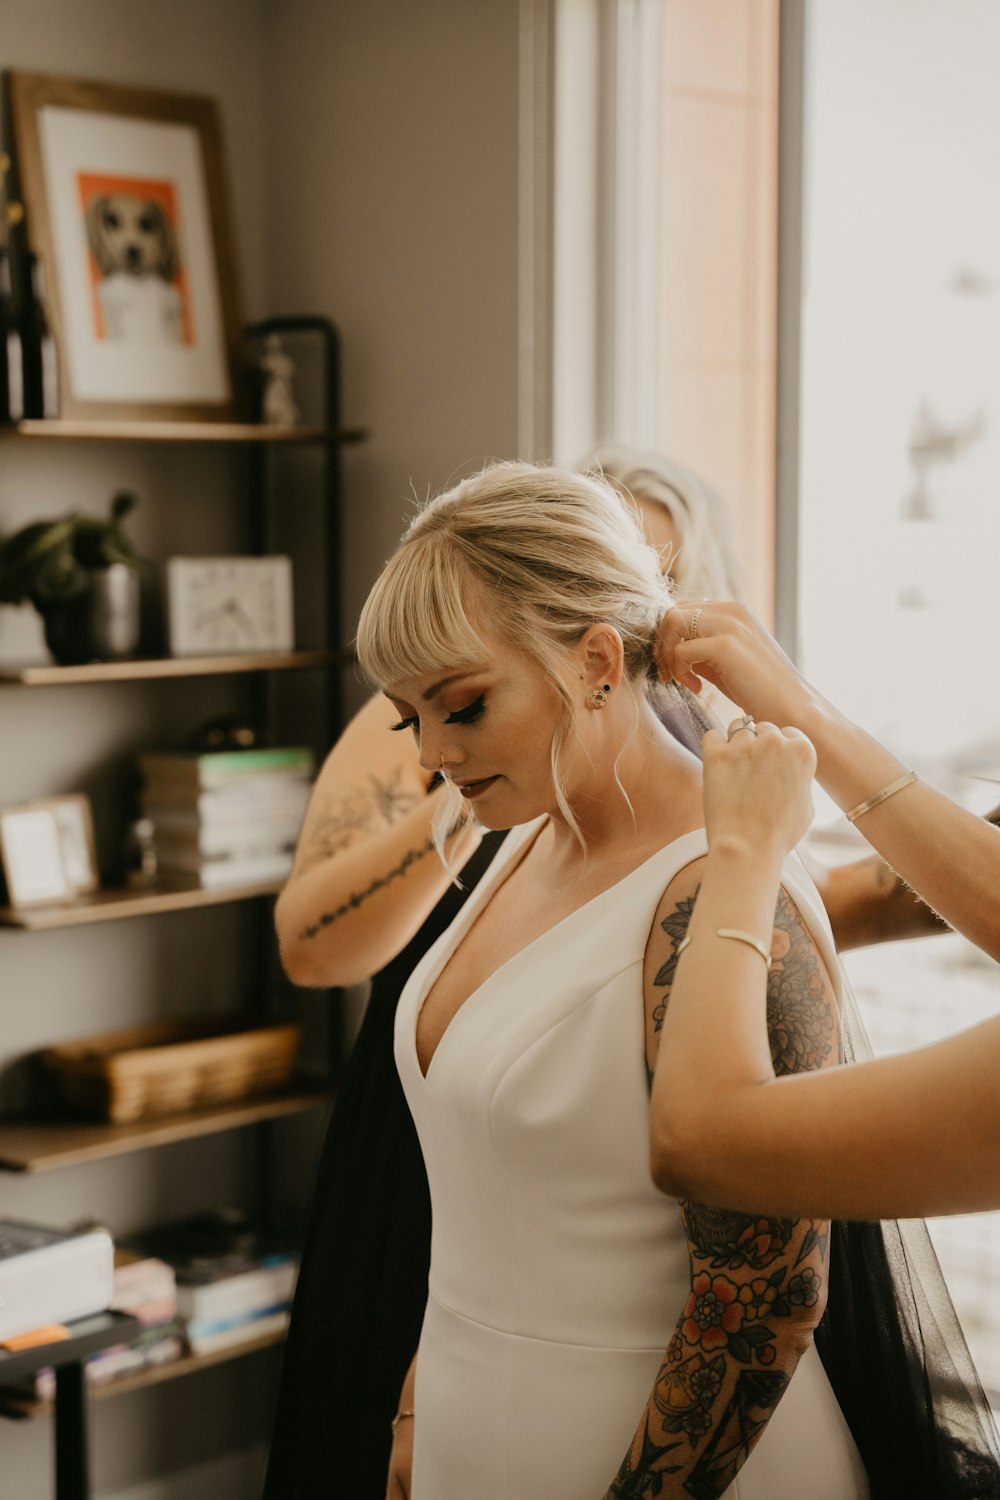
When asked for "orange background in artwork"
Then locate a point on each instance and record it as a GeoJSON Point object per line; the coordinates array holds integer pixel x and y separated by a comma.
{"type": "Point", "coordinates": [93, 185]}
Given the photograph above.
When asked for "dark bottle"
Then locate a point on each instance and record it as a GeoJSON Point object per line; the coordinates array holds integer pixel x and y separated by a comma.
{"type": "Point", "coordinates": [11, 353]}
{"type": "Point", "coordinates": [41, 361]}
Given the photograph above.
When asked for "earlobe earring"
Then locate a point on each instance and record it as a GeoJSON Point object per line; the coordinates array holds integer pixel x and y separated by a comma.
{"type": "Point", "coordinates": [599, 697]}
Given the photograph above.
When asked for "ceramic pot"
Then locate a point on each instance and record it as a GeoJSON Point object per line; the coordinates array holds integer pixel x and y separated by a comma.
{"type": "Point", "coordinates": [102, 624]}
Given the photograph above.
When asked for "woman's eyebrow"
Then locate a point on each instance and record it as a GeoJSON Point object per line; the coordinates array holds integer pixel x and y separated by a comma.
{"type": "Point", "coordinates": [433, 691]}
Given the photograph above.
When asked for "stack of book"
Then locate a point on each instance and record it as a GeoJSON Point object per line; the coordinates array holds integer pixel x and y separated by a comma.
{"type": "Point", "coordinates": [225, 817]}
{"type": "Point", "coordinates": [234, 1284]}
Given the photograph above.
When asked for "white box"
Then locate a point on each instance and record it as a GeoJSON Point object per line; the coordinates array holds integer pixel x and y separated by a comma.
{"type": "Point", "coordinates": [50, 1276]}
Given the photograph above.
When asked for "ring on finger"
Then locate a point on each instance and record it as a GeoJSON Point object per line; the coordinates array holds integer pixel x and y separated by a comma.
{"type": "Point", "coordinates": [693, 628]}
{"type": "Point", "coordinates": [743, 722]}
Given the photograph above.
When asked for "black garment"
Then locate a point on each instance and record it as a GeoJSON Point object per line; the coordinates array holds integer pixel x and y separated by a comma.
{"type": "Point", "coordinates": [362, 1286]}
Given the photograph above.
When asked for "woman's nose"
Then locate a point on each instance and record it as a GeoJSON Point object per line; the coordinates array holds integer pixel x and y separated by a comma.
{"type": "Point", "coordinates": [436, 756]}
{"type": "Point", "coordinates": [431, 753]}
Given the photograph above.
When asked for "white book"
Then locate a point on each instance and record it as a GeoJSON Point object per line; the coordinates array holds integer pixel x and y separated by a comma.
{"type": "Point", "coordinates": [176, 820]}
{"type": "Point", "coordinates": [234, 1334]}
{"type": "Point", "coordinates": [245, 798]}
{"type": "Point", "coordinates": [239, 838]}
{"type": "Point", "coordinates": [244, 869]}
{"type": "Point", "coordinates": [240, 1295]}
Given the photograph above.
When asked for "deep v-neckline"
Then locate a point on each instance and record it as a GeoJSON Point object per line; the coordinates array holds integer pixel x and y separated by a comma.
{"type": "Point", "coordinates": [502, 869]}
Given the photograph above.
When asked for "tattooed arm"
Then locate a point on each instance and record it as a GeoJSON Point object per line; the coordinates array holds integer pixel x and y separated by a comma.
{"type": "Point", "coordinates": [366, 873]}
{"type": "Point", "coordinates": [898, 1137]}
{"type": "Point", "coordinates": [758, 1283]}
{"type": "Point", "coordinates": [869, 903]}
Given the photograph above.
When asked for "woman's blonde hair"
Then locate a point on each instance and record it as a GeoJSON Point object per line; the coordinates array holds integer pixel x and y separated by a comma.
{"type": "Point", "coordinates": [705, 563]}
{"type": "Point", "coordinates": [535, 554]}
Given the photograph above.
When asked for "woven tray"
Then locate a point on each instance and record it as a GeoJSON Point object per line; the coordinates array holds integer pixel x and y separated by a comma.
{"type": "Point", "coordinates": [152, 1071]}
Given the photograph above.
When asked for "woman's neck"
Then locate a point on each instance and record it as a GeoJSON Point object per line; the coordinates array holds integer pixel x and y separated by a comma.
{"type": "Point", "coordinates": [637, 788]}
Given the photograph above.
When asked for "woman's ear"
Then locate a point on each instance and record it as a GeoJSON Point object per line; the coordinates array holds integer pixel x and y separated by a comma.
{"type": "Point", "coordinates": [602, 657]}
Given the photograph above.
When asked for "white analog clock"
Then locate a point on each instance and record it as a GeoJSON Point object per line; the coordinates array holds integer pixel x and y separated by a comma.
{"type": "Point", "coordinates": [222, 604]}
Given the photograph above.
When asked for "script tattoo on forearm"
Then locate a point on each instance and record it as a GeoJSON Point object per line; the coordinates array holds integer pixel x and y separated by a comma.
{"type": "Point", "coordinates": [756, 1279]}
{"type": "Point", "coordinates": [358, 898]}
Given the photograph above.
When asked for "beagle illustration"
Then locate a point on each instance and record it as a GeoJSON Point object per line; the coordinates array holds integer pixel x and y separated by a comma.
{"type": "Point", "coordinates": [135, 250]}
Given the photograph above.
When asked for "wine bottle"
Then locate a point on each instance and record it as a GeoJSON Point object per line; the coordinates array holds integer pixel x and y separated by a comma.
{"type": "Point", "coordinates": [41, 361]}
{"type": "Point", "coordinates": [11, 352]}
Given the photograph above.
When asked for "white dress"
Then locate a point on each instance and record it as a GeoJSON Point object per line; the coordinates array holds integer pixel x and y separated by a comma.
{"type": "Point", "coordinates": [558, 1270]}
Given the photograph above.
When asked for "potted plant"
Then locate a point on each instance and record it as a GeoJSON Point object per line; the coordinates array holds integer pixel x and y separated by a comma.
{"type": "Point", "coordinates": [81, 573]}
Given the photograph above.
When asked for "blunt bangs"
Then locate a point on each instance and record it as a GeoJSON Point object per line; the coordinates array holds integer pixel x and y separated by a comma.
{"type": "Point", "coordinates": [414, 620]}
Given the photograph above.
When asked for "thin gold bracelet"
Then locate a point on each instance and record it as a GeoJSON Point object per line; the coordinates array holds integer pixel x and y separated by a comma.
{"type": "Point", "coordinates": [882, 796]}
{"type": "Point", "coordinates": [744, 937]}
{"type": "Point", "coordinates": [735, 935]}
{"type": "Point", "coordinates": [400, 1416]}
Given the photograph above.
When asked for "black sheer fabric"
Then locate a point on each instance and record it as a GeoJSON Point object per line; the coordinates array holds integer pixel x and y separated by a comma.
{"type": "Point", "coordinates": [894, 1352]}
{"type": "Point", "coordinates": [362, 1287]}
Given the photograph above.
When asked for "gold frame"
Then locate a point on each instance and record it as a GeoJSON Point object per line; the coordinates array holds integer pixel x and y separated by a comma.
{"type": "Point", "coordinates": [28, 94]}
{"type": "Point", "coordinates": [74, 884]}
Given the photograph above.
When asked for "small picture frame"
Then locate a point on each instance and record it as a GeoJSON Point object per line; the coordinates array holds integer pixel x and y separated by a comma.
{"type": "Point", "coordinates": [47, 850]}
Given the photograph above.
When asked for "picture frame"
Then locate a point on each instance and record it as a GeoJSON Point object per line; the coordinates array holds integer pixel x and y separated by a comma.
{"type": "Point", "coordinates": [126, 208]}
{"type": "Point", "coordinates": [229, 605]}
{"type": "Point", "coordinates": [47, 850]}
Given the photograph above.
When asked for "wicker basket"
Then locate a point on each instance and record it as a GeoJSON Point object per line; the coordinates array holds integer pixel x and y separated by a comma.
{"type": "Point", "coordinates": [167, 1069]}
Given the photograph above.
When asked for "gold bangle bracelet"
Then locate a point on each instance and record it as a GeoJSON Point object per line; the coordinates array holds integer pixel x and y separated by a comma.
{"type": "Point", "coordinates": [736, 936]}
{"type": "Point", "coordinates": [401, 1416]}
{"type": "Point", "coordinates": [882, 796]}
{"type": "Point", "coordinates": [744, 937]}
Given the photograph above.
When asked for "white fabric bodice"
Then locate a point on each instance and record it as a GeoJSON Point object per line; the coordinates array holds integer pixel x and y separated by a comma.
{"type": "Point", "coordinates": [558, 1270]}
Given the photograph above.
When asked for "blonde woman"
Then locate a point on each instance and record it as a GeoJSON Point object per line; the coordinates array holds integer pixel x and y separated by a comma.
{"type": "Point", "coordinates": [584, 1335]}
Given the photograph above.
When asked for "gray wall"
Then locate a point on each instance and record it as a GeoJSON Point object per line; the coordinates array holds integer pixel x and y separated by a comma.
{"type": "Point", "coordinates": [372, 150]}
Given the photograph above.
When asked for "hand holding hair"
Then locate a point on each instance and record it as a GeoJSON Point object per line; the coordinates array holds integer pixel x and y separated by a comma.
{"type": "Point", "coordinates": [757, 787]}
{"type": "Point", "coordinates": [730, 648]}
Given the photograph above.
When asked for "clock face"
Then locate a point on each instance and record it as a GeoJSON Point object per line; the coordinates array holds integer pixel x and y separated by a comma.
{"type": "Point", "coordinates": [222, 604]}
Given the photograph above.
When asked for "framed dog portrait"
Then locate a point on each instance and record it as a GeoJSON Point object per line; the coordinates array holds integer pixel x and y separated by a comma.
{"type": "Point", "coordinates": [125, 199]}
{"type": "Point", "coordinates": [47, 850]}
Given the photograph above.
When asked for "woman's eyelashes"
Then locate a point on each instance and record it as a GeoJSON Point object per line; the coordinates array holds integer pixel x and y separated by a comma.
{"type": "Point", "coordinates": [470, 714]}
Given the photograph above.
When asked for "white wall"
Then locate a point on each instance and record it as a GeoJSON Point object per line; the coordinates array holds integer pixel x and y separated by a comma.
{"type": "Point", "coordinates": [372, 152]}
{"type": "Point", "coordinates": [393, 203]}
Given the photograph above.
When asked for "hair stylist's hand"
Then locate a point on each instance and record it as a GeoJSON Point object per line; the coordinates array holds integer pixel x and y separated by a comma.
{"type": "Point", "coordinates": [758, 786]}
{"type": "Point", "coordinates": [732, 650]}
{"type": "Point", "coordinates": [401, 1462]}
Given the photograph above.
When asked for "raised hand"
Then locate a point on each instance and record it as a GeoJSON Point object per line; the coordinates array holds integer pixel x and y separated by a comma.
{"type": "Point", "coordinates": [724, 644]}
{"type": "Point", "coordinates": [757, 786]}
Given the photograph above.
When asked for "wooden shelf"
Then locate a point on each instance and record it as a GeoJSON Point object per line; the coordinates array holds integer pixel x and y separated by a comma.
{"type": "Point", "coordinates": [47, 1145]}
{"type": "Point", "coordinates": [49, 674]}
{"type": "Point", "coordinates": [59, 429]}
{"type": "Point", "coordinates": [188, 1364]}
{"type": "Point", "coordinates": [112, 905]}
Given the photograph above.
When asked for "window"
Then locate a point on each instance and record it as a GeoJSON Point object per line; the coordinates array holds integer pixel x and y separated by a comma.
{"type": "Point", "coordinates": [898, 522]}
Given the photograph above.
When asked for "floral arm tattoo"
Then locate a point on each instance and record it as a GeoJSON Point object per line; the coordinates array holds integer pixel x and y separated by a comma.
{"type": "Point", "coordinates": [757, 1282]}
{"type": "Point", "coordinates": [358, 812]}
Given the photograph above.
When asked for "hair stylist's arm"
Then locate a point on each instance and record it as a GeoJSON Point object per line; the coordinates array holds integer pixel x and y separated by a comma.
{"type": "Point", "coordinates": [366, 873]}
{"type": "Point", "coordinates": [949, 856]}
{"type": "Point", "coordinates": [897, 1138]}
